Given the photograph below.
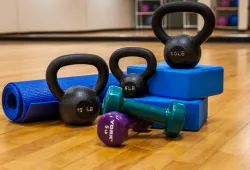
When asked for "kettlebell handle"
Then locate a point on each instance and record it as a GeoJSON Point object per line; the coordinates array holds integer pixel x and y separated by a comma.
{"type": "Point", "coordinates": [129, 52]}
{"type": "Point", "coordinates": [172, 7]}
{"type": "Point", "coordinates": [71, 59]}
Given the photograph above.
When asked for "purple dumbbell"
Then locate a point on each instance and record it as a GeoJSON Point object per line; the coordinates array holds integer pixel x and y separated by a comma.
{"type": "Point", "coordinates": [112, 128]}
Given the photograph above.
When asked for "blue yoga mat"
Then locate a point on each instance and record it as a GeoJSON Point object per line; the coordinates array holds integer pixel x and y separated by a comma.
{"type": "Point", "coordinates": [30, 101]}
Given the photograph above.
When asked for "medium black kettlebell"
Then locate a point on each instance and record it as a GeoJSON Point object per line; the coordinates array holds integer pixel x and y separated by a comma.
{"type": "Point", "coordinates": [78, 105]}
{"type": "Point", "coordinates": [183, 51]}
{"type": "Point", "coordinates": [133, 85]}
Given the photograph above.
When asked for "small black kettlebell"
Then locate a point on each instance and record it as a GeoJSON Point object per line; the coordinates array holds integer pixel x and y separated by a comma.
{"type": "Point", "coordinates": [183, 51]}
{"type": "Point", "coordinates": [133, 85]}
{"type": "Point", "coordinates": [78, 105]}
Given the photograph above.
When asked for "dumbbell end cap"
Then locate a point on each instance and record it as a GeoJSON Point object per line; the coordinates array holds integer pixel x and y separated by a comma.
{"type": "Point", "coordinates": [112, 100]}
{"type": "Point", "coordinates": [176, 119]}
{"type": "Point", "coordinates": [141, 125]}
{"type": "Point", "coordinates": [112, 128]}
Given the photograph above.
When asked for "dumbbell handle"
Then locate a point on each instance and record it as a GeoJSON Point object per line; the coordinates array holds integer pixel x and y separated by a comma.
{"type": "Point", "coordinates": [144, 111]}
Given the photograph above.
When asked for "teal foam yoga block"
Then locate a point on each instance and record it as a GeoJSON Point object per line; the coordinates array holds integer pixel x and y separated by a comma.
{"type": "Point", "coordinates": [196, 110]}
{"type": "Point", "coordinates": [185, 84]}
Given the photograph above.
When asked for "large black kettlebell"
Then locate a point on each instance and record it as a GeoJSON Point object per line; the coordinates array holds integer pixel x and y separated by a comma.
{"type": "Point", "coordinates": [78, 105]}
{"type": "Point", "coordinates": [183, 51]}
{"type": "Point", "coordinates": [133, 85]}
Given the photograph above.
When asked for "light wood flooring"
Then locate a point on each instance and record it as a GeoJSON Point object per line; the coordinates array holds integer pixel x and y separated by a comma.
{"type": "Point", "coordinates": [222, 143]}
{"type": "Point", "coordinates": [136, 33]}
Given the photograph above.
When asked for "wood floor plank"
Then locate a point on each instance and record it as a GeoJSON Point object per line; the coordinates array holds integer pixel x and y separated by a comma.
{"type": "Point", "coordinates": [27, 135]}
{"type": "Point", "coordinates": [239, 145]}
{"type": "Point", "coordinates": [176, 165]}
{"type": "Point", "coordinates": [106, 154]}
{"type": "Point", "coordinates": [65, 158]}
{"type": "Point", "coordinates": [40, 155]}
{"type": "Point", "coordinates": [42, 143]}
{"type": "Point", "coordinates": [165, 155]}
{"type": "Point", "coordinates": [126, 159]}
{"type": "Point", "coordinates": [7, 126]}
{"type": "Point", "coordinates": [223, 100]}
{"type": "Point", "coordinates": [221, 161]}
{"type": "Point", "coordinates": [208, 146]}
{"type": "Point", "coordinates": [245, 161]}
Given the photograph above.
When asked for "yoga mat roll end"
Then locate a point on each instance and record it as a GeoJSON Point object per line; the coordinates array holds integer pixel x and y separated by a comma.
{"type": "Point", "coordinates": [12, 102]}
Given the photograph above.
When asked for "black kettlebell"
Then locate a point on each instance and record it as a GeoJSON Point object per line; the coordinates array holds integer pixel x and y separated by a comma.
{"type": "Point", "coordinates": [78, 105]}
{"type": "Point", "coordinates": [133, 85]}
{"type": "Point", "coordinates": [183, 51]}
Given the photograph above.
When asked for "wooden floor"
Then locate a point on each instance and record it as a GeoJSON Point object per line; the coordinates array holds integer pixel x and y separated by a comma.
{"type": "Point", "coordinates": [135, 33]}
{"type": "Point", "coordinates": [149, 33]}
{"type": "Point", "coordinates": [222, 143]}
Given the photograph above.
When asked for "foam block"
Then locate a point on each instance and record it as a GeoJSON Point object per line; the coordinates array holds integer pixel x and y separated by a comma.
{"type": "Point", "coordinates": [196, 110]}
{"type": "Point", "coordinates": [184, 84]}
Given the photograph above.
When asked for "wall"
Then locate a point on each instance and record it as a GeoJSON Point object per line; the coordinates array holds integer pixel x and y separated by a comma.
{"type": "Point", "coordinates": [108, 14]}
{"type": "Point", "coordinates": [8, 16]}
{"type": "Point", "coordinates": [65, 15]}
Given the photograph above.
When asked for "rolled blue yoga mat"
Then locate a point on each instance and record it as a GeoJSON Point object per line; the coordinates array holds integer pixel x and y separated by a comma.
{"type": "Point", "coordinates": [30, 101]}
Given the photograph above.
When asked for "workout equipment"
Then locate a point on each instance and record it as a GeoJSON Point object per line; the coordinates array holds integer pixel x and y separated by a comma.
{"type": "Point", "coordinates": [145, 7]}
{"type": "Point", "coordinates": [184, 84]}
{"type": "Point", "coordinates": [173, 118]}
{"type": "Point", "coordinates": [222, 21]}
{"type": "Point", "coordinates": [31, 101]}
{"type": "Point", "coordinates": [112, 128]}
{"type": "Point", "coordinates": [225, 3]}
{"type": "Point", "coordinates": [235, 3]}
{"type": "Point", "coordinates": [133, 85]}
{"type": "Point", "coordinates": [233, 20]}
{"type": "Point", "coordinates": [196, 110]}
{"type": "Point", "coordinates": [79, 105]}
{"type": "Point", "coordinates": [183, 51]}
{"type": "Point", "coordinates": [148, 20]}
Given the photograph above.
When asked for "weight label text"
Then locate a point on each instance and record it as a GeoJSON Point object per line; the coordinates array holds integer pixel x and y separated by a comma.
{"type": "Point", "coordinates": [129, 88]}
{"type": "Point", "coordinates": [109, 130]}
{"type": "Point", "coordinates": [87, 109]}
{"type": "Point", "coordinates": [178, 53]}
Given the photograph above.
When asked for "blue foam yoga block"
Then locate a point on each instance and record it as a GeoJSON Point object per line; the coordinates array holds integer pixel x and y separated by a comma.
{"type": "Point", "coordinates": [196, 110]}
{"type": "Point", "coordinates": [185, 84]}
{"type": "Point", "coordinates": [30, 101]}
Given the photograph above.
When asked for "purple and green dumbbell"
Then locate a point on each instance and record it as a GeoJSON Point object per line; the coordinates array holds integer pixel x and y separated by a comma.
{"type": "Point", "coordinates": [112, 128]}
{"type": "Point", "coordinates": [173, 117]}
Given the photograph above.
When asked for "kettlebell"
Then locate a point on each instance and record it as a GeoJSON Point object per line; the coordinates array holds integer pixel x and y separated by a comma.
{"type": "Point", "coordinates": [78, 105]}
{"type": "Point", "coordinates": [183, 51]}
{"type": "Point", "coordinates": [133, 85]}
